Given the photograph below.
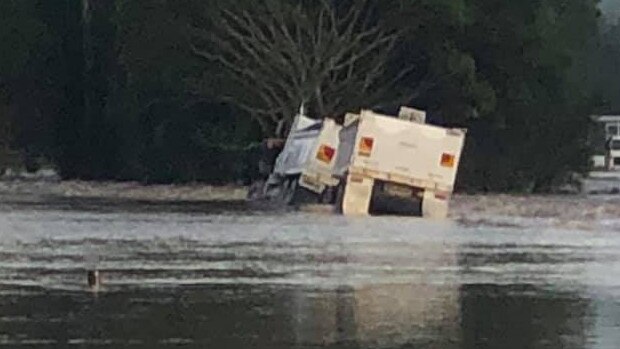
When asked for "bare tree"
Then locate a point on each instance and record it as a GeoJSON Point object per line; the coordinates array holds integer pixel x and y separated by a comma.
{"type": "Point", "coordinates": [281, 55]}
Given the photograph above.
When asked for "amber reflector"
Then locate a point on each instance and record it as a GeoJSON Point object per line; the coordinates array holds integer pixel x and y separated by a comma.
{"type": "Point", "coordinates": [326, 154]}
{"type": "Point", "coordinates": [366, 145]}
{"type": "Point", "coordinates": [447, 160]}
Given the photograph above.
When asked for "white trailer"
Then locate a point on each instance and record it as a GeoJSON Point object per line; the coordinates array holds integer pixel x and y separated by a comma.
{"type": "Point", "coordinates": [401, 159]}
{"type": "Point", "coordinates": [371, 164]}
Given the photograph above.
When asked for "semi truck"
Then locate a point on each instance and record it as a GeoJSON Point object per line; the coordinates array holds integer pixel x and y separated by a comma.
{"type": "Point", "coordinates": [370, 164]}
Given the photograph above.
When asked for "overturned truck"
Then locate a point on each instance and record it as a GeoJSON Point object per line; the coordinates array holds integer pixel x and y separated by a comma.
{"type": "Point", "coordinates": [369, 164]}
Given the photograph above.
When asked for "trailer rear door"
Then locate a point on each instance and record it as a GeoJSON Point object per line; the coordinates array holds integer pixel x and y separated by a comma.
{"type": "Point", "coordinates": [412, 150]}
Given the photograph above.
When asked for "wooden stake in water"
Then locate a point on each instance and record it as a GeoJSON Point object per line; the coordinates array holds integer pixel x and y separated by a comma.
{"type": "Point", "coordinates": [93, 279]}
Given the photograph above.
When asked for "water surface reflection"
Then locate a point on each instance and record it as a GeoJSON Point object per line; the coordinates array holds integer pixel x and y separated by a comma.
{"type": "Point", "coordinates": [231, 279]}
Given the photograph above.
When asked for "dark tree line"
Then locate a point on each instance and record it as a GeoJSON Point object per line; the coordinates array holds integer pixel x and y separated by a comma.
{"type": "Point", "coordinates": [164, 91]}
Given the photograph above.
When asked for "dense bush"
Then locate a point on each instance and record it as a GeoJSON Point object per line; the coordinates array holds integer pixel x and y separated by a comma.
{"type": "Point", "coordinates": [119, 91]}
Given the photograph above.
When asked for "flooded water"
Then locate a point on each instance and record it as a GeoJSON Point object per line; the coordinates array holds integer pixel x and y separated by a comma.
{"type": "Point", "coordinates": [223, 276]}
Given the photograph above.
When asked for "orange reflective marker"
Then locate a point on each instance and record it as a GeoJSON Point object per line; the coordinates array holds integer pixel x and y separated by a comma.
{"type": "Point", "coordinates": [366, 144]}
{"type": "Point", "coordinates": [447, 160]}
{"type": "Point", "coordinates": [326, 154]}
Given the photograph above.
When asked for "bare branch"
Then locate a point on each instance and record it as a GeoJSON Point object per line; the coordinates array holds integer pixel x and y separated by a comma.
{"type": "Point", "coordinates": [281, 54]}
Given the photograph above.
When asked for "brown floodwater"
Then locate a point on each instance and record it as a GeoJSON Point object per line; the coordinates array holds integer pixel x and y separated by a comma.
{"type": "Point", "coordinates": [229, 275]}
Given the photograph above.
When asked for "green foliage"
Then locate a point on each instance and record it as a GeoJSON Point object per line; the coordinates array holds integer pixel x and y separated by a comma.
{"type": "Point", "coordinates": [29, 49]}
{"type": "Point", "coordinates": [605, 70]}
{"type": "Point", "coordinates": [278, 54]}
{"type": "Point", "coordinates": [163, 130]}
{"type": "Point", "coordinates": [24, 38]}
{"type": "Point", "coordinates": [121, 94]}
{"type": "Point", "coordinates": [6, 136]}
{"type": "Point", "coordinates": [532, 54]}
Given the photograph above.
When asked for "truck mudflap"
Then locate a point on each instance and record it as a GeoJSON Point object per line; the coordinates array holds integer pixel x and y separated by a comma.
{"type": "Point", "coordinates": [312, 183]}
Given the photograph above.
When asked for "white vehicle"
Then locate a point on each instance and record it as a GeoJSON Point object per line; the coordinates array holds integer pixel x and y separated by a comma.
{"type": "Point", "coordinates": [372, 164]}
{"type": "Point", "coordinates": [401, 166]}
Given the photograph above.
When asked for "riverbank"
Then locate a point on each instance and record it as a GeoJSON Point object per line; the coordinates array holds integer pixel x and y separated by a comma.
{"type": "Point", "coordinates": [562, 211]}
{"type": "Point", "coordinates": [120, 190]}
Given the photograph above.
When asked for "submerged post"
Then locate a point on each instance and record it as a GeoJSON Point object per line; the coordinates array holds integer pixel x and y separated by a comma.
{"type": "Point", "coordinates": [93, 279]}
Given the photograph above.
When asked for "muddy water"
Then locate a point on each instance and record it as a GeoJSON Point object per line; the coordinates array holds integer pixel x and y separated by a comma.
{"type": "Point", "coordinates": [225, 276]}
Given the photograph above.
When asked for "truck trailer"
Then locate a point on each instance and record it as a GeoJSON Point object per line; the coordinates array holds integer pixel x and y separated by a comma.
{"type": "Point", "coordinates": [371, 164]}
